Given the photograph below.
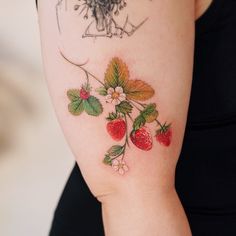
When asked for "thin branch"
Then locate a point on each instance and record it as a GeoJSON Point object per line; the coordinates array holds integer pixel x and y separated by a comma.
{"type": "Point", "coordinates": [159, 123]}
{"type": "Point", "coordinates": [130, 117]}
{"type": "Point", "coordinates": [126, 137]}
{"type": "Point", "coordinates": [59, 2]}
{"type": "Point", "coordinates": [82, 68]}
{"type": "Point", "coordinates": [132, 102]}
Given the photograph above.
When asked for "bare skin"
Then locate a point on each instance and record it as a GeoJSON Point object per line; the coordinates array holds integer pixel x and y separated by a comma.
{"type": "Point", "coordinates": [159, 53]}
{"type": "Point", "coordinates": [201, 6]}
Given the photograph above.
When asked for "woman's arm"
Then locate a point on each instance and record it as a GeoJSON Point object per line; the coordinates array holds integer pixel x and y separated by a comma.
{"type": "Point", "coordinates": [119, 74]}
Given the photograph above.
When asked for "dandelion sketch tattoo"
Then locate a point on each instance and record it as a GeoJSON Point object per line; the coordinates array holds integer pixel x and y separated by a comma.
{"type": "Point", "coordinates": [101, 15]}
{"type": "Point", "coordinates": [133, 117]}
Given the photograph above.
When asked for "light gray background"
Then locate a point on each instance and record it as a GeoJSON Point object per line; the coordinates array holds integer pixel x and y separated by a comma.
{"type": "Point", "coordinates": [35, 161]}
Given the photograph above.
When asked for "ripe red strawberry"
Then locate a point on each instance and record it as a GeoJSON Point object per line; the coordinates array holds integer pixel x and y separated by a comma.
{"type": "Point", "coordinates": [85, 91]}
{"type": "Point", "coordinates": [116, 128]}
{"type": "Point", "coordinates": [142, 138]}
{"type": "Point", "coordinates": [84, 94]}
{"type": "Point", "coordinates": [164, 135]}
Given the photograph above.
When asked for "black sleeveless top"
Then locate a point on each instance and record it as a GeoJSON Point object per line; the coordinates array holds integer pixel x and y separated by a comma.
{"type": "Point", "coordinates": [206, 171]}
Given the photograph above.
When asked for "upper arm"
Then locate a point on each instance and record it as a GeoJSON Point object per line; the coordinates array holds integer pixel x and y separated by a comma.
{"type": "Point", "coordinates": [153, 66]}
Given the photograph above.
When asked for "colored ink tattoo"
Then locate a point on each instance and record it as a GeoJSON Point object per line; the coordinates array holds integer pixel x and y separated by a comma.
{"type": "Point", "coordinates": [133, 118]}
{"type": "Point", "coordinates": [102, 15]}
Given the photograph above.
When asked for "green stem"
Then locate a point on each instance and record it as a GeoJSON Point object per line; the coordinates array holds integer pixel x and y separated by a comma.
{"type": "Point", "coordinates": [130, 118]}
{"type": "Point", "coordinates": [135, 106]}
{"type": "Point", "coordinates": [159, 123]}
{"type": "Point", "coordinates": [83, 69]}
{"type": "Point", "coordinates": [112, 159]}
{"type": "Point", "coordinates": [141, 104]}
{"type": "Point", "coordinates": [87, 77]}
{"type": "Point", "coordinates": [127, 137]}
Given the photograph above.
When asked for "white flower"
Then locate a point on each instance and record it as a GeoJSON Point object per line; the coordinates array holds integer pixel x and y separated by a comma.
{"type": "Point", "coordinates": [120, 166]}
{"type": "Point", "coordinates": [115, 96]}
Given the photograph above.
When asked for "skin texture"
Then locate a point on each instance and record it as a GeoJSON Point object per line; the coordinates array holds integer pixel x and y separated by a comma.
{"type": "Point", "coordinates": [143, 201]}
{"type": "Point", "coordinates": [201, 6]}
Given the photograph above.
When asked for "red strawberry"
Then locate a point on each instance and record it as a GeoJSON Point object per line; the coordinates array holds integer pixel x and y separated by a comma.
{"type": "Point", "coordinates": [142, 138]}
{"type": "Point", "coordinates": [116, 128]}
{"type": "Point", "coordinates": [164, 135]}
{"type": "Point", "coordinates": [84, 94]}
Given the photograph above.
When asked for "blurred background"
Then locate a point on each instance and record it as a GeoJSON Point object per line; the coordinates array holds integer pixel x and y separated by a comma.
{"type": "Point", "coordinates": [34, 159]}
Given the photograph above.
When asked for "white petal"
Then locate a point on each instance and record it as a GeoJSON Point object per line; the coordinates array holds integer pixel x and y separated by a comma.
{"type": "Point", "coordinates": [115, 162]}
{"type": "Point", "coordinates": [115, 102]}
{"type": "Point", "coordinates": [122, 162]}
{"type": "Point", "coordinates": [119, 89]}
{"type": "Point", "coordinates": [108, 96]}
{"type": "Point", "coordinates": [110, 91]}
{"type": "Point", "coordinates": [121, 171]}
{"type": "Point", "coordinates": [126, 168]}
{"type": "Point", "coordinates": [116, 168]}
{"type": "Point", "coordinates": [120, 159]}
{"type": "Point", "coordinates": [122, 97]}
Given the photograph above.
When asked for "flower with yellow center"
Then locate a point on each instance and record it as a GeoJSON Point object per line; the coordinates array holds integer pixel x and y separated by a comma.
{"type": "Point", "coordinates": [120, 166]}
{"type": "Point", "coordinates": [115, 96]}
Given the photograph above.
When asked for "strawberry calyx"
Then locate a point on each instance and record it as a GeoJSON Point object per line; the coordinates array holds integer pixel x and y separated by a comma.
{"type": "Point", "coordinates": [114, 116]}
{"type": "Point", "coordinates": [164, 128]}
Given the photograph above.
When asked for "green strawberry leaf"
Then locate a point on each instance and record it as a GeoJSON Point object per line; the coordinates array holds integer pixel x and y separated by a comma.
{"type": "Point", "coordinates": [101, 91]}
{"type": "Point", "coordinates": [107, 160]}
{"type": "Point", "coordinates": [73, 94]}
{"type": "Point", "coordinates": [76, 107]}
{"type": "Point", "coordinates": [124, 108]}
{"type": "Point", "coordinates": [92, 106]}
{"type": "Point", "coordinates": [115, 151]}
{"type": "Point", "coordinates": [117, 73]}
{"type": "Point", "coordinates": [147, 115]}
{"type": "Point", "coordinates": [139, 122]}
{"type": "Point", "coordinates": [150, 113]}
{"type": "Point", "coordinates": [138, 90]}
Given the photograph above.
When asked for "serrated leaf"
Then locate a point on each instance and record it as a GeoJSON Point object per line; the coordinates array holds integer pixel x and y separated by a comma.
{"type": "Point", "coordinates": [150, 113]}
{"type": "Point", "coordinates": [115, 151]}
{"type": "Point", "coordinates": [107, 160]}
{"type": "Point", "coordinates": [117, 73]}
{"type": "Point", "coordinates": [76, 107]}
{"type": "Point", "coordinates": [124, 107]}
{"type": "Point", "coordinates": [73, 94]}
{"type": "Point", "coordinates": [92, 106]}
{"type": "Point", "coordinates": [139, 122]}
{"type": "Point", "coordinates": [138, 90]}
{"type": "Point", "coordinates": [102, 91]}
{"type": "Point", "coordinates": [147, 115]}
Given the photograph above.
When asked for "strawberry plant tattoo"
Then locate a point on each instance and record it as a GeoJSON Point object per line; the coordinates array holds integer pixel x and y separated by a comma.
{"type": "Point", "coordinates": [103, 15]}
{"type": "Point", "coordinates": [129, 97]}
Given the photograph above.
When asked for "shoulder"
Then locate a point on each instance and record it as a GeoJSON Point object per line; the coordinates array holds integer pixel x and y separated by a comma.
{"type": "Point", "coordinates": [201, 7]}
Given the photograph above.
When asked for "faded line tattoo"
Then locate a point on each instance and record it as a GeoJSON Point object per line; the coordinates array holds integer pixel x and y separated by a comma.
{"type": "Point", "coordinates": [102, 18]}
{"type": "Point", "coordinates": [130, 99]}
